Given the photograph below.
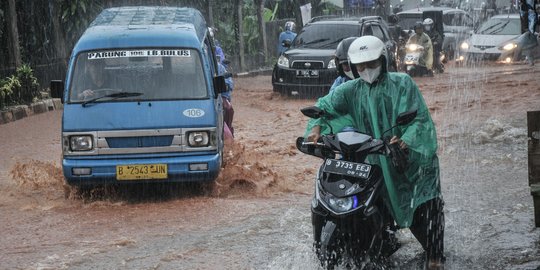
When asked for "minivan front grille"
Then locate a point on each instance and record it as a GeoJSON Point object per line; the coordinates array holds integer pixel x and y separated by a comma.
{"type": "Point", "coordinates": [133, 142]}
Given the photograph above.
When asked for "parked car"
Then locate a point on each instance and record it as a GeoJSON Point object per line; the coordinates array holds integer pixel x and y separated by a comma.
{"type": "Point", "coordinates": [495, 39]}
{"type": "Point", "coordinates": [457, 25]}
{"type": "Point", "coordinates": [307, 67]}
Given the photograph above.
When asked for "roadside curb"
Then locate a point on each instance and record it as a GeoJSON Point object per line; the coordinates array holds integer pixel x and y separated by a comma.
{"type": "Point", "coordinates": [18, 112]}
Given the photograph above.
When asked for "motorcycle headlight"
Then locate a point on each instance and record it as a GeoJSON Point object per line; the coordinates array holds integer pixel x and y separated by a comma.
{"type": "Point", "coordinates": [509, 46]}
{"type": "Point", "coordinates": [283, 61]}
{"type": "Point", "coordinates": [81, 143]}
{"type": "Point", "coordinates": [464, 46]}
{"type": "Point", "coordinates": [412, 47]}
{"type": "Point", "coordinates": [332, 63]}
{"type": "Point", "coordinates": [198, 139]}
{"type": "Point", "coordinates": [340, 205]}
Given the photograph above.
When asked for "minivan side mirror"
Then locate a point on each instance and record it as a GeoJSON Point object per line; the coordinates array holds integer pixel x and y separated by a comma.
{"type": "Point", "coordinates": [219, 85]}
{"type": "Point", "coordinates": [57, 89]}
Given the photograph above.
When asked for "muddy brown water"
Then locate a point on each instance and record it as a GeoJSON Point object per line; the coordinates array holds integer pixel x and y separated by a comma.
{"type": "Point", "coordinates": [257, 216]}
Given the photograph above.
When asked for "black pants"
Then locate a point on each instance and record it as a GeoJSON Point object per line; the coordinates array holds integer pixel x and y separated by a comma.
{"type": "Point", "coordinates": [428, 228]}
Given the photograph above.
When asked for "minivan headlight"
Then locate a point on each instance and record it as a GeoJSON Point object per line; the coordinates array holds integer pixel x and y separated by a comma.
{"type": "Point", "coordinates": [332, 63]}
{"type": "Point", "coordinates": [283, 61]}
{"type": "Point", "coordinates": [81, 143]}
{"type": "Point", "coordinates": [198, 139]}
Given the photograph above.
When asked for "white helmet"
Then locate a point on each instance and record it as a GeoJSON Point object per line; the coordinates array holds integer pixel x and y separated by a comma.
{"type": "Point", "coordinates": [428, 24]}
{"type": "Point", "coordinates": [365, 49]}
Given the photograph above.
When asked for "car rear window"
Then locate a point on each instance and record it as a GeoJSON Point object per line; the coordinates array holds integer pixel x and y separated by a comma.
{"type": "Point", "coordinates": [324, 36]}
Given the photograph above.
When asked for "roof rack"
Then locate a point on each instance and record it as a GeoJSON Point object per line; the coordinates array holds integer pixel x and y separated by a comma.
{"type": "Point", "coordinates": [371, 18]}
{"type": "Point", "coordinates": [323, 17]}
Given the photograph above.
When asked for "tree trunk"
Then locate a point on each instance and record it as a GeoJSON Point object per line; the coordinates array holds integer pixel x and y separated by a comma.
{"type": "Point", "coordinates": [210, 13]}
{"type": "Point", "coordinates": [59, 41]}
{"type": "Point", "coordinates": [14, 34]}
{"type": "Point", "coordinates": [239, 6]}
{"type": "Point", "coordinates": [259, 4]}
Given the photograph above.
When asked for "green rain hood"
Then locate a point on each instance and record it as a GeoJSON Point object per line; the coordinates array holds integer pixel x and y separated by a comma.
{"type": "Point", "coordinates": [374, 109]}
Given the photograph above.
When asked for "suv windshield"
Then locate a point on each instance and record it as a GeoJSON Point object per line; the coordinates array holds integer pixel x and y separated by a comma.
{"type": "Point", "coordinates": [324, 36]}
{"type": "Point", "coordinates": [502, 26]}
{"type": "Point", "coordinates": [142, 74]}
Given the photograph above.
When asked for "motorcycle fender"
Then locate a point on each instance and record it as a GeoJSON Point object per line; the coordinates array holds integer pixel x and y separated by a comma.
{"type": "Point", "coordinates": [327, 235]}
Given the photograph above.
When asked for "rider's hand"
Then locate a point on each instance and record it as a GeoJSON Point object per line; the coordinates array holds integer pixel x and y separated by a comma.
{"type": "Point", "coordinates": [396, 139]}
{"type": "Point", "coordinates": [315, 134]}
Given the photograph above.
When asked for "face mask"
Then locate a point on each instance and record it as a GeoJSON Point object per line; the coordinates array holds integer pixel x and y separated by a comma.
{"type": "Point", "coordinates": [428, 28]}
{"type": "Point", "coordinates": [370, 74]}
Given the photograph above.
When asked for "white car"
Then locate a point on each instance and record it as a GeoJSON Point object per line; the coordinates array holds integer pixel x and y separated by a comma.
{"type": "Point", "coordinates": [495, 39]}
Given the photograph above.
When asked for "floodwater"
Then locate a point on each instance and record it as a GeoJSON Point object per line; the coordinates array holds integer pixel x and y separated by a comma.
{"type": "Point", "coordinates": [257, 215]}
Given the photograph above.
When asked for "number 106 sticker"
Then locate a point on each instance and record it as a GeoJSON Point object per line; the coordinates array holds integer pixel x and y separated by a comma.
{"type": "Point", "coordinates": [193, 113]}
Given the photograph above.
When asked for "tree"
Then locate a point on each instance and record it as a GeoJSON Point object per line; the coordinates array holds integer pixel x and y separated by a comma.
{"type": "Point", "coordinates": [240, 19]}
{"type": "Point", "coordinates": [259, 6]}
{"type": "Point", "coordinates": [14, 34]}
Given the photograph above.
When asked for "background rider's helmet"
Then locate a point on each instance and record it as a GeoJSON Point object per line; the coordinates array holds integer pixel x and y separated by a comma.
{"type": "Point", "coordinates": [341, 55]}
{"type": "Point", "coordinates": [290, 26]}
{"type": "Point", "coordinates": [366, 49]}
{"type": "Point", "coordinates": [428, 24]}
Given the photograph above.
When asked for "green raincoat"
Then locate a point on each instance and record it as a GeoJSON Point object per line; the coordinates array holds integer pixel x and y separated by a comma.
{"type": "Point", "coordinates": [374, 109]}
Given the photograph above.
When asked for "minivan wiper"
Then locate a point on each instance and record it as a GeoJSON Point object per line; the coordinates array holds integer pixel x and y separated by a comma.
{"type": "Point", "coordinates": [113, 96]}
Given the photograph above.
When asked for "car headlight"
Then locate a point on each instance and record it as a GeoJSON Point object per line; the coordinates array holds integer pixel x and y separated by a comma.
{"type": "Point", "coordinates": [332, 63]}
{"type": "Point", "coordinates": [464, 46]}
{"type": "Point", "coordinates": [283, 61]}
{"type": "Point", "coordinates": [509, 46]}
{"type": "Point", "coordinates": [81, 143]}
{"type": "Point", "coordinates": [198, 139]}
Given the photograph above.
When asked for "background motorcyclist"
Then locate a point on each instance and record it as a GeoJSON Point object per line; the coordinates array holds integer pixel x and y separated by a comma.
{"type": "Point", "coordinates": [422, 39]}
{"type": "Point", "coordinates": [374, 101]}
{"type": "Point", "coordinates": [436, 41]}
{"type": "Point", "coordinates": [288, 34]}
{"type": "Point", "coordinates": [344, 74]}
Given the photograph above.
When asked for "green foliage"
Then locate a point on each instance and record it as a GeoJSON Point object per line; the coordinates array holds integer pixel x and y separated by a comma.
{"type": "Point", "coordinates": [77, 15]}
{"type": "Point", "coordinates": [20, 88]}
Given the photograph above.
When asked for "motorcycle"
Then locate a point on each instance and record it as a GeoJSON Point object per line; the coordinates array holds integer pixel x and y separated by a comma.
{"type": "Point", "coordinates": [414, 53]}
{"type": "Point", "coordinates": [351, 224]}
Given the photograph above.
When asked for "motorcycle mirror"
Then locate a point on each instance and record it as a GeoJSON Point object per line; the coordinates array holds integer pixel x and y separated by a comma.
{"type": "Point", "coordinates": [312, 112]}
{"type": "Point", "coordinates": [406, 117]}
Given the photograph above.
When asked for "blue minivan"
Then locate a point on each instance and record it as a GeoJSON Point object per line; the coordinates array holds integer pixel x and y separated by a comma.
{"type": "Point", "coordinates": [142, 99]}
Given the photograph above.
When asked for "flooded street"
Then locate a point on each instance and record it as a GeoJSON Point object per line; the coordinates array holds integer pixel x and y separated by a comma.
{"type": "Point", "coordinates": [258, 214]}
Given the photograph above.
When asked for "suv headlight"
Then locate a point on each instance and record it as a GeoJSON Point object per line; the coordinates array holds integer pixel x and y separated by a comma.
{"type": "Point", "coordinates": [198, 139]}
{"type": "Point", "coordinates": [81, 143]}
{"type": "Point", "coordinates": [283, 61]}
{"type": "Point", "coordinates": [332, 63]}
{"type": "Point", "coordinates": [464, 45]}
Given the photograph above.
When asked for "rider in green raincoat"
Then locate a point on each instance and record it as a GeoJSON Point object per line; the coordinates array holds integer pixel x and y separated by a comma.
{"type": "Point", "coordinates": [374, 101]}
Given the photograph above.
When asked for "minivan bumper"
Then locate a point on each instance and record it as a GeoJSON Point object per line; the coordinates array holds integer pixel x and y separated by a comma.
{"type": "Point", "coordinates": [103, 171]}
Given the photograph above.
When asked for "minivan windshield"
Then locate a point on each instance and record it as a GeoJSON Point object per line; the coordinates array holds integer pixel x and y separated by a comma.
{"type": "Point", "coordinates": [500, 26]}
{"type": "Point", "coordinates": [137, 74]}
{"type": "Point", "coordinates": [324, 36]}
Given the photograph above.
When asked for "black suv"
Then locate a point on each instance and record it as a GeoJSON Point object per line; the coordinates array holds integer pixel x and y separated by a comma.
{"type": "Point", "coordinates": [308, 67]}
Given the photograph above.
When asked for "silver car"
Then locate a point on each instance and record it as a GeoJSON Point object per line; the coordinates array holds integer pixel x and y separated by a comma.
{"type": "Point", "coordinates": [495, 39]}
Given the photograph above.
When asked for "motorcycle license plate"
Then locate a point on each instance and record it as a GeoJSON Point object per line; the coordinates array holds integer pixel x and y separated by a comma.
{"type": "Point", "coordinates": [347, 168]}
{"type": "Point", "coordinates": [308, 73]}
